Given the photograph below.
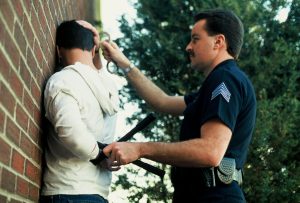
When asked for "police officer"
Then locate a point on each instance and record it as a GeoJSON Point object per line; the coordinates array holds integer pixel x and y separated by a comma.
{"type": "Point", "coordinates": [218, 119]}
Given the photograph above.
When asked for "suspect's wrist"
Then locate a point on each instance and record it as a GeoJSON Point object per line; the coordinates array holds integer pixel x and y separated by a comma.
{"type": "Point", "coordinates": [101, 156]}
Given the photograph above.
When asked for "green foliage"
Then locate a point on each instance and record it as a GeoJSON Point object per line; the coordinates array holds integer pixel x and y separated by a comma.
{"type": "Point", "coordinates": [156, 42]}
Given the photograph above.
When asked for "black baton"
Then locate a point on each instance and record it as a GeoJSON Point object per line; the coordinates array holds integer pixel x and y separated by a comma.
{"type": "Point", "coordinates": [140, 126]}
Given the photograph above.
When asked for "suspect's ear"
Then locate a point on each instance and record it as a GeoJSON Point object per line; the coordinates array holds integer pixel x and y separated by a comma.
{"type": "Point", "coordinates": [58, 53]}
{"type": "Point", "coordinates": [94, 51]}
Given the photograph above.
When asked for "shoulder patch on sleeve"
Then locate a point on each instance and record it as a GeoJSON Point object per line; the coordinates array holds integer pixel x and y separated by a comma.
{"type": "Point", "coordinates": [221, 89]}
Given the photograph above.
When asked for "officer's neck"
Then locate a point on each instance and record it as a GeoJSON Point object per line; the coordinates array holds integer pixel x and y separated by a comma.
{"type": "Point", "coordinates": [218, 59]}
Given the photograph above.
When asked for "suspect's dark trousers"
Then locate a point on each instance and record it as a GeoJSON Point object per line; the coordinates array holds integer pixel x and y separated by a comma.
{"type": "Point", "coordinates": [72, 199]}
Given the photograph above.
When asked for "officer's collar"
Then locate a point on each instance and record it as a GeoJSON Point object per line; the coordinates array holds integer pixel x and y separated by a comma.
{"type": "Point", "coordinates": [226, 62]}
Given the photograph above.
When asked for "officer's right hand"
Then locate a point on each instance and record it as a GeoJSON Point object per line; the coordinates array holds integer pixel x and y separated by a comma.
{"type": "Point", "coordinates": [112, 52]}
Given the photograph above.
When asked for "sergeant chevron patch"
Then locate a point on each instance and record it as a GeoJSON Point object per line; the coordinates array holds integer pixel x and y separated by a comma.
{"type": "Point", "coordinates": [221, 90]}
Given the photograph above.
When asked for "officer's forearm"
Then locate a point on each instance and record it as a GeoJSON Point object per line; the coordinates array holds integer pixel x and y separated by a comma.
{"type": "Point", "coordinates": [192, 153]}
{"type": "Point", "coordinates": [153, 95]}
{"type": "Point", "coordinates": [205, 151]}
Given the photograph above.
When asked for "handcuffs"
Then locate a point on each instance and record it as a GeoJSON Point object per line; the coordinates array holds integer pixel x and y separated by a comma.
{"type": "Point", "coordinates": [106, 37]}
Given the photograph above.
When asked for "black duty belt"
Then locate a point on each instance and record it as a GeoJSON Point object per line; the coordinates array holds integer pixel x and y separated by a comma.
{"type": "Point", "coordinates": [225, 173]}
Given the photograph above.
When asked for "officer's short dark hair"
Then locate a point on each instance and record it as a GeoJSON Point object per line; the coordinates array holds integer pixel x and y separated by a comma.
{"type": "Point", "coordinates": [219, 21]}
{"type": "Point", "coordinates": [71, 35]}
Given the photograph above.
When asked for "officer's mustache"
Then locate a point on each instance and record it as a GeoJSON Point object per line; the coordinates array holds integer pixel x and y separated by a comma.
{"type": "Point", "coordinates": [190, 53]}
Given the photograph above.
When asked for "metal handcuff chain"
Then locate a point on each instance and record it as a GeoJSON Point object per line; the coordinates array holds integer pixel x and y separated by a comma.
{"type": "Point", "coordinates": [106, 37]}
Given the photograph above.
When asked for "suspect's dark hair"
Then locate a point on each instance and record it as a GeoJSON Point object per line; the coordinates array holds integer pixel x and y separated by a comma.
{"type": "Point", "coordinates": [219, 21]}
{"type": "Point", "coordinates": [71, 35]}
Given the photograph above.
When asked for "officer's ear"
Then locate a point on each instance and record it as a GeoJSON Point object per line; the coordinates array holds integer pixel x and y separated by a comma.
{"type": "Point", "coordinates": [220, 41]}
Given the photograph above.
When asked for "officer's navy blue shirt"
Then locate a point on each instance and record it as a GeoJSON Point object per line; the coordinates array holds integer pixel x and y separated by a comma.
{"type": "Point", "coordinates": [228, 95]}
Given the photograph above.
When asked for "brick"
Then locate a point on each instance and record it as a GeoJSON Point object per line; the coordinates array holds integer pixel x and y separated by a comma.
{"type": "Point", "coordinates": [72, 10]}
{"type": "Point", "coordinates": [52, 56]}
{"type": "Point", "coordinates": [17, 5]}
{"type": "Point", "coordinates": [53, 26]}
{"type": "Point", "coordinates": [8, 181]}
{"type": "Point", "coordinates": [16, 84]}
{"type": "Point", "coordinates": [47, 10]}
{"type": "Point", "coordinates": [34, 132]}
{"type": "Point", "coordinates": [22, 187]}
{"type": "Point", "coordinates": [3, 199]}
{"type": "Point", "coordinates": [51, 65]}
{"type": "Point", "coordinates": [38, 52]}
{"type": "Point", "coordinates": [33, 66]}
{"type": "Point", "coordinates": [3, 31]}
{"type": "Point", "coordinates": [52, 8]}
{"type": "Point", "coordinates": [20, 39]}
{"type": "Point", "coordinates": [2, 120]}
{"type": "Point", "coordinates": [25, 74]}
{"type": "Point", "coordinates": [57, 10]}
{"type": "Point", "coordinates": [5, 152]}
{"type": "Point", "coordinates": [18, 162]}
{"type": "Point", "coordinates": [37, 154]}
{"type": "Point", "coordinates": [15, 201]}
{"type": "Point", "coordinates": [12, 131]}
{"type": "Point", "coordinates": [52, 30]}
{"type": "Point", "coordinates": [22, 118]}
{"type": "Point", "coordinates": [27, 145]}
{"type": "Point", "coordinates": [7, 99]}
{"type": "Point", "coordinates": [39, 77]}
{"type": "Point", "coordinates": [5, 67]}
{"type": "Point", "coordinates": [12, 51]}
{"type": "Point", "coordinates": [46, 74]}
{"type": "Point", "coordinates": [33, 26]}
{"type": "Point", "coordinates": [37, 28]}
{"type": "Point", "coordinates": [7, 14]}
{"type": "Point", "coordinates": [36, 112]}
{"type": "Point", "coordinates": [36, 4]}
{"type": "Point", "coordinates": [69, 14]}
{"type": "Point", "coordinates": [28, 6]}
{"type": "Point", "coordinates": [52, 47]}
{"type": "Point", "coordinates": [36, 92]}
{"type": "Point", "coordinates": [49, 18]}
{"type": "Point", "coordinates": [32, 172]}
{"type": "Point", "coordinates": [28, 31]}
{"type": "Point", "coordinates": [44, 45]}
{"type": "Point", "coordinates": [28, 102]}
{"type": "Point", "coordinates": [75, 10]}
{"type": "Point", "coordinates": [33, 193]}
{"type": "Point", "coordinates": [43, 22]}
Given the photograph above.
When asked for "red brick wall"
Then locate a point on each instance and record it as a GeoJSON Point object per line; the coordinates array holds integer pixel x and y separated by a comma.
{"type": "Point", "coordinates": [27, 59]}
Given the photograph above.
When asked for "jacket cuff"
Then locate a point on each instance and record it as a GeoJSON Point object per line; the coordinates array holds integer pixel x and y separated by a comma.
{"type": "Point", "coordinates": [100, 156]}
